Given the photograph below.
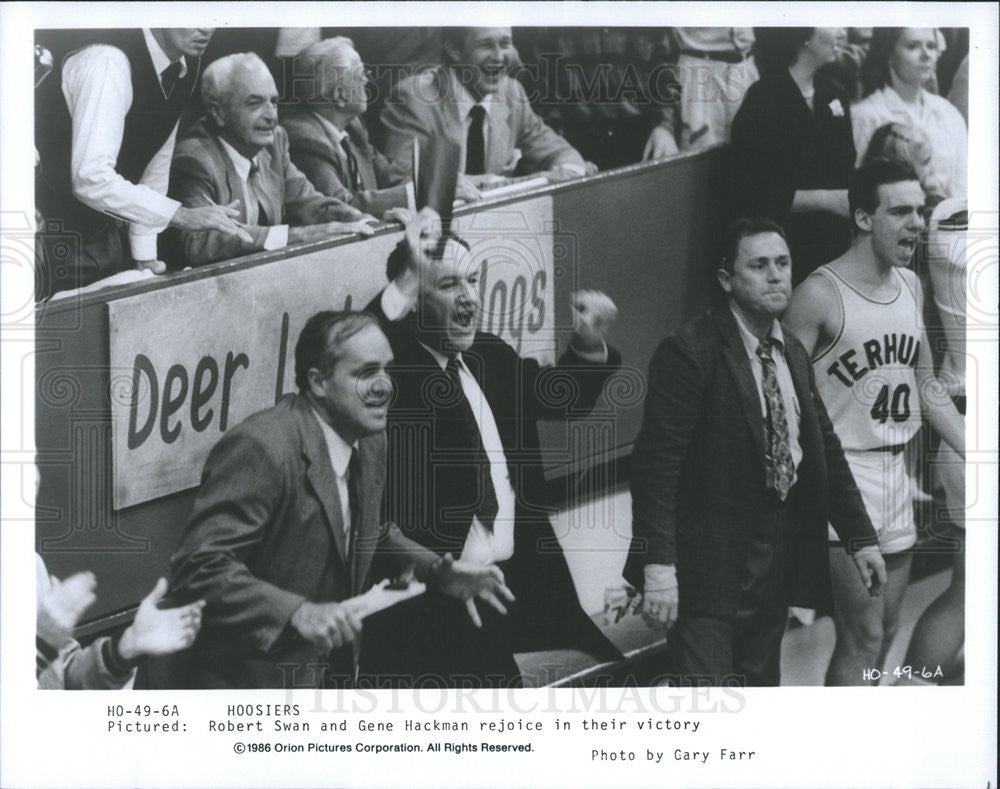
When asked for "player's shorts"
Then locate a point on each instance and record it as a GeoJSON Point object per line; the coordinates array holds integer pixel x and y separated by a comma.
{"type": "Point", "coordinates": [885, 489]}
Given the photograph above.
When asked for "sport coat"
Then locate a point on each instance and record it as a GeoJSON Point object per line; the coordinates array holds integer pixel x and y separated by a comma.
{"type": "Point", "coordinates": [265, 535]}
{"type": "Point", "coordinates": [698, 472]}
{"type": "Point", "coordinates": [202, 171]}
{"type": "Point", "coordinates": [322, 161]}
{"type": "Point", "coordinates": [432, 497]}
{"type": "Point", "coordinates": [425, 107]}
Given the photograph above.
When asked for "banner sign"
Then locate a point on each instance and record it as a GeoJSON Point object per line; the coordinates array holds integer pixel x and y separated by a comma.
{"type": "Point", "coordinates": [189, 362]}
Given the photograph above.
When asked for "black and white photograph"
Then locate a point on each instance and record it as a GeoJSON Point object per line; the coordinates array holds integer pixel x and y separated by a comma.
{"type": "Point", "coordinates": [538, 395]}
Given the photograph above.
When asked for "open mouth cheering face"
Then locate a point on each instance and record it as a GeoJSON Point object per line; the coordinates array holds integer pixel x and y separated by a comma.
{"type": "Point", "coordinates": [450, 303]}
{"type": "Point", "coordinates": [897, 222]}
{"type": "Point", "coordinates": [484, 58]}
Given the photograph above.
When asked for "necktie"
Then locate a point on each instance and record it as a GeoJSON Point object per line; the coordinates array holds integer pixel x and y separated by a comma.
{"type": "Point", "coordinates": [352, 166]}
{"type": "Point", "coordinates": [353, 499]}
{"type": "Point", "coordinates": [475, 148]}
{"type": "Point", "coordinates": [256, 185]}
{"type": "Point", "coordinates": [779, 452]}
{"type": "Point", "coordinates": [466, 426]}
{"type": "Point", "coordinates": [169, 76]}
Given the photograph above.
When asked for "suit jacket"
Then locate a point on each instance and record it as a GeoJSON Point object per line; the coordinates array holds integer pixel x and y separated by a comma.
{"type": "Point", "coordinates": [202, 170]}
{"type": "Point", "coordinates": [425, 107]}
{"type": "Point", "coordinates": [322, 161]}
{"type": "Point", "coordinates": [265, 535]}
{"type": "Point", "coordinates": [432, 497]}
{"type": "Point", "coordinates": [698, 472]}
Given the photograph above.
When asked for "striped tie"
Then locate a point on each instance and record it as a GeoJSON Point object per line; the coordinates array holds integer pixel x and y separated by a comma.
{"type": "Point", "coordinates": [779, 452]}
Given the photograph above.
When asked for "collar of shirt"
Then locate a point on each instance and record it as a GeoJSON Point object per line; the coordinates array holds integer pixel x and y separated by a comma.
{"type": "Point", "coordinates": [442, 358]}
{"type": "Point", "coordinates": [750, 340]}
{"type": "Point", "coordinates": [894, 102]}
{"type": "Point", "coordinates": [335, 134]}
{"type": "Point", "coordinates": [240, 162]}
{"type": "Point", "coordinates": [339, 450]}
{"type": "Point", "coordinates": [465, 102]}
{"type": "Point", "coordinates": [159, 57]}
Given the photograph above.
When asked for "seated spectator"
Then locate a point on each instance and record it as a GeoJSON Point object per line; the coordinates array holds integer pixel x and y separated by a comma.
{"type": "Point", "coordinates": [238, 154]}
{"type": "Point", "coordinates": [105, 126]}
{"type": "Point", "coordinates": [792, 147]}
{"type": "Point", "coordinates": [715, 67]}
{"type": "Point", "coordinates": [107, 663]}
{"type": "Point", "coordinates": [899, 64]}
{"type": "Point", "coordinates": [472, 113]}
{"type": "Point", "coordinates": [327, 137]}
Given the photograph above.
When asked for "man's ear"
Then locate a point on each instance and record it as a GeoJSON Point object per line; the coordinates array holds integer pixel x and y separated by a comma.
{"type": "Point", "coordinates": [863, 220]}
{"type": "Point", "coordinates": [723, 277]}
{"type": "Point", "coordinates": [316, 381]}
{"type": "Point", "coordinates": [453, 53]}
{"type": "Point", "coordinates": [214, 110]}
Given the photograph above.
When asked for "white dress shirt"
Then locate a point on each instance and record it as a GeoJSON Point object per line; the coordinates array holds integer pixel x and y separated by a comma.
{"type": "Point", "coordinates": [277, 235]}
{"type": "Point", "coordinates": [340, 458]}
{"type": "Point", "coordinates": [97, 84]}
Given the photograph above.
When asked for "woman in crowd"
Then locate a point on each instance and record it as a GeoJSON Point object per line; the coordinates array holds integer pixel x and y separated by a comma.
{"type": "Point", "coordinates": [792, 148]}
{"type": "Point", "coordinates": [899, 63]}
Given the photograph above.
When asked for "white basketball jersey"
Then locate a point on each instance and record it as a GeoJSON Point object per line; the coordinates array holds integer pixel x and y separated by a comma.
{"type": "Point", "coordinates": [866, 378]}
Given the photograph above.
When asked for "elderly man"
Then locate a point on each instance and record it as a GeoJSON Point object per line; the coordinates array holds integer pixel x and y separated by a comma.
{"type": "Point", "coordinates": [327, 137]}
{"type": "Point", "coordinates": [104, 130]}
{"type": "Point", "coordinates": [465, 462]}
{"type": "Point", "coordinates": [735, 473]}
{"type": "Point", "coordinates": [472, 117]}
{"type": "Point", "coordinates": [237, 152]}
{"type": "Point", "coordinates": [287, 521]}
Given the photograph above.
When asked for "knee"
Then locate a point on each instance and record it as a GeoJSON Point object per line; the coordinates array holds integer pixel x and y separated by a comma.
{"type": "Point", "coordinates": [863, 635]}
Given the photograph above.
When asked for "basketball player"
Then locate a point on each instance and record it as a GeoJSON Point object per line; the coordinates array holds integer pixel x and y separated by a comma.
{"type": "Point", "coordinates": [860, 318]}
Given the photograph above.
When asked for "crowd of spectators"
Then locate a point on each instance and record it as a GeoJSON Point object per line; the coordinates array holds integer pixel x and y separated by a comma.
{"type": "Point", "coordinates": [165, 148]}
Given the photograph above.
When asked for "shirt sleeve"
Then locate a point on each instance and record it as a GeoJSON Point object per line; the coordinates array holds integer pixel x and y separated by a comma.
{"type": "Point", "coordinates": [98, 90]}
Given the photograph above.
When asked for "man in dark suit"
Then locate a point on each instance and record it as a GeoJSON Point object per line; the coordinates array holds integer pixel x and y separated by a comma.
{"type": "Point", "coordinates": [238, 152]}
{"type": "Point", "coordinates": [327, 137]}
{"type": "Point", "coordinates": [735, 473]}
{"type": "Point", "coordinates": [465, 468]}
{"type": "Point", "coordinates": [471, 116]}
{"type": "Point", "coordinates": [287, 521]}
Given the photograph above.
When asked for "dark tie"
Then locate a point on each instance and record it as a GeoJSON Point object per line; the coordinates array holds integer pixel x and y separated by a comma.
{"type": "Point", "coordinates": [475, 148]}
{"type": "Point", "coordinates": [256, 184]}
{"type": "Point", "coordinates": [353, 499]}
{"type": "Point", "coordinates": [779, 452]}
{"type": "Point", "coordinates": [352, 166]}
{"type": "Point", "coordinates": [169, 76]}
{"type": "Point", "coordinates": [466, 425]}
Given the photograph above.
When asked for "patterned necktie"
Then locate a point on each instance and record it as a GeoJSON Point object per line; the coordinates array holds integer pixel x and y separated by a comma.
{"type": "Point", "coordinates": [486, 504]}
{"type": "Point", "coordinates": [779, 452]}
{"type": "Point", "coordinates": [475, 148]}
{"type": "Point", "coordinates": [352, 166]}
{"type": "Point", "coordinates": [169, 77]}
{"type": "Point", "coordinates": [256, 184]}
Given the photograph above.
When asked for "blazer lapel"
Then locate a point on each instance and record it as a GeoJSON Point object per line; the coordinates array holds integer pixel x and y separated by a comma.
{"type": "Point", "coordinates": [735, 355]}
{"type": "Point", "coordinates": [233, 181]}
{"type": "Point", "coordinates": [321, 476]}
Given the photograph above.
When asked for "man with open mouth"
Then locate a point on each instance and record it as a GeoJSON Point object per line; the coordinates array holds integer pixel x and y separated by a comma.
{"type": "Point", "coordinates": [464, 469]}
{"type": "Point", "coordinates": [860, 318]}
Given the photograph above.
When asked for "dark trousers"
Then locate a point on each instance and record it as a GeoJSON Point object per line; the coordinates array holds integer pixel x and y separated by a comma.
{"type": "Point", "coordinates": [745, 649]}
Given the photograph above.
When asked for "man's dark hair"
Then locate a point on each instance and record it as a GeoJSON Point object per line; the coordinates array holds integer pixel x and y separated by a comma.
{"type": "Point", "coordinates": [742, 228]}
{"type": "Point", "coordinates": [777, 48]}
{"type": "Point", "coordinates": [862, 191]}
{"type": "Point", "coordinates": [455, 36]}
{"type": "Point", "coordinates": [321, 341]}
{"type": "Point", "coordinates": [399, 258]}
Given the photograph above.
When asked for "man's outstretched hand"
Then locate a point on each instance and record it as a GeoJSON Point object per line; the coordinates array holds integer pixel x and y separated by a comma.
{"type": "Point", "coordinates": [469, 581]}
{"type": "Point", "coordinates": [156, 631]}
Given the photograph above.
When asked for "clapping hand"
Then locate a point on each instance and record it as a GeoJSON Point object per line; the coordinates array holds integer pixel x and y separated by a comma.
{"type": "Point", "coordinates": [156, 631]}
{"type": "Point", "coordinates": [66, 600]}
